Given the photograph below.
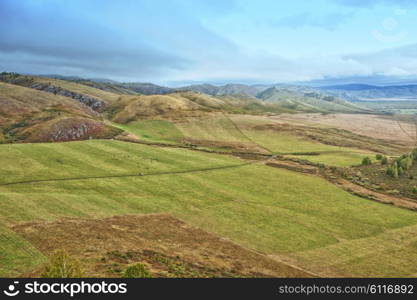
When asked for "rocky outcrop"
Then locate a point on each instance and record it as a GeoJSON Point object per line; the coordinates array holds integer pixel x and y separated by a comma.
{"type": "Point", "coordinates": [94, 103]}
{"type": "Point", "coordinates": [71, 129]}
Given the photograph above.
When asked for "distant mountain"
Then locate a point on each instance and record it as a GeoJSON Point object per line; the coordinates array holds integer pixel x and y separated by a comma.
{"type": "Point", "coordinates": [228, 89]}
{"type": "Point", "coordinates": [307, 100]}
{"type": "Point", "coordinates": [363, 92]}
{"type": "Point", "coordinates": [147, 88]}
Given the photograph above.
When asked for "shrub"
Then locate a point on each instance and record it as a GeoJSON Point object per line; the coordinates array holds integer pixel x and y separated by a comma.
{"type": "Point", "coordinates": [406, 163]}
{"type": "Point", "coordinates": [61, 265]}
{"type": "Point", "coordinates": [414, 190]}
{"type": "Point", "coordinates": [136, 271]}
{"type": "Point", "coordinates": [390, 171]}
{"type": "Point", "coordinates": [400, 171]}
{"type": "Point", "coordinates": [414, 154]}
{"type": "Point", "coordinates": [378, 157]}
{"type": "Point", "coordinates": [366, 161]}
{"type": "Point", "coordinates": [384, 160]}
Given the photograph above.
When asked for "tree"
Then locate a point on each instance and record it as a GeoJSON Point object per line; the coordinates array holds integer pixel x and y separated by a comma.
{"type": "Point", "coordinates": [390, 171]}
{"type": "Point", "coordinates": [366, 161]}
{"type": "Point", "coordinates": [62, 265]}
{"type": "Point", "coordinates": [414, 154]}
{"type": "Point", "coordinates": [406, 163]}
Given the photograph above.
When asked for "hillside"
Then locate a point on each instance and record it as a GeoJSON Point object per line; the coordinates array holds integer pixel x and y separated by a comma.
{"type": "Point", "coordinates": [366, 92]}
{"type": "Point", "coordinates": [311, 101]}
{"type": "Point", "coordinates": [92, 97]}
{"type": "Point", "coordinates": [30, 115]}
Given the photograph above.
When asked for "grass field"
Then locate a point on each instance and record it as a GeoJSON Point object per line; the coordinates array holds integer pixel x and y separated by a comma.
{"type": "Point", "coordinates": [221, 128]}
{"type": "Point", "coordinates": [153, 130]}
{"type": "Point", "coordinates": [284, 143]}
{"type": "Point", "coordinates": [277, 211]}
{"type": "Point", "coordinates": [16, 254]}
{"type": "Point", "coordinates": [337, 159]}
{"type": "Point", "coordinates": [212, 128]}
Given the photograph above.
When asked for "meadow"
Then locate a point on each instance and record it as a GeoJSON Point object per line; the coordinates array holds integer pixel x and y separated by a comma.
{"type": "Point", "coordinates": [153, 130]}
{"type": "Point", "coordinates": [282, 213]}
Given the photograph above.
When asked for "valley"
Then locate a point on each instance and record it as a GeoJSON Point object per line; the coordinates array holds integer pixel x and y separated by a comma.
{"type": "Point", "coordinates": [182, 180]}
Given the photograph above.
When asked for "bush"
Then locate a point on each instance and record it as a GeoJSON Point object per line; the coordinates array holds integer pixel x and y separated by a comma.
{"type": "Point", "coordinates": [400, 171]}
{"type": "Point", "coordinates": [136, 271]}
{"type": "Point", "coordinates": [366, 161]}
{"type": "Point", "coordinates": [61, 265]}
{"type": "Point", "coordinates": [384, 160]}
{"type": "Point", "coordinates": [414, 190]}
{"type": "Point", "coordinates": [390, 171]}
{"type": "Point", "coordinates": [414, 154]}
{"type": "Point", "coordinates": [406, 163]}
{"type": "Point", "coordinates": [378, 157]}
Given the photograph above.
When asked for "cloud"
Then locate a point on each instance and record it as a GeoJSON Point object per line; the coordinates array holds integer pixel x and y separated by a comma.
{"type": "Point", "coordinates": [329, 21]}
{"type": "Point", "coordinates": [116, 40]}
{"type": "Point", "coordinates": [400, 61]}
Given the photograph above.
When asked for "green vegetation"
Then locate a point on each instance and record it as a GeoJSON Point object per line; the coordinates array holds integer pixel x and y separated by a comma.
{"type": "Point", "coordinates": [16, 254]}
{"type": "Point", "coordinates": [366, 161]}
{"type": "Point", "coordinates": [62, 265]}
{"type": "Point", "coordinates": [254, 205]}
{"type": "Point", "coordinates": [137, 270]}
{"type": "Point", "coordinates": [98, 158]}
{"type": "Point", "coordinates": [402, 165]}
{"type": "Point", "coordinates": [153, 130]}
{"type": "Point", "coordinates": [336, 159]}
{"type": "Point", "coordinates": [212, 128]}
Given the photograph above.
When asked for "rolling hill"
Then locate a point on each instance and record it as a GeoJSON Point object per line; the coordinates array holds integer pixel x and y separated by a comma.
{"type": "Point", "coordinates": [33, 116]}
{"type": "Point", "coordinates": [366, 92]}
{"type": "Point", "coordinates": [311, 101]}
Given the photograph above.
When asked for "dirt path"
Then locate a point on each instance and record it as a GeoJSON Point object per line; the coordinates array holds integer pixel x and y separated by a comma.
{"type": "Point", "coordinates": [369, 194]}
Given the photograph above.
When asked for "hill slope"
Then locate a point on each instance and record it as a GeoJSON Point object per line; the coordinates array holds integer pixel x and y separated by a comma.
{"type": "Point", "coordinates": [370, 92]}
{"type": "Point", "coordinates": [32, 116]}
{"type": "Point", "coordinates": [299, 218]}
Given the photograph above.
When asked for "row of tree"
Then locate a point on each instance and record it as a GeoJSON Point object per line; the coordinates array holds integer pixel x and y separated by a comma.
{"type": "Point", "coordinates": [402, 164]}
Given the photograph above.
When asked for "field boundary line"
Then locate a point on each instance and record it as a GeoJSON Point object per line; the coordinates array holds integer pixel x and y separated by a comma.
{"type": "Point", "coordinates": [245, 135]}
{"type": "Point", "coordinates": [129, 175]}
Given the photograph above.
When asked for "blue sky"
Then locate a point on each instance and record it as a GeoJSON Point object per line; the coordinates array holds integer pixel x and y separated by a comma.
{"type": "Point", "coordinates": [178, 42]}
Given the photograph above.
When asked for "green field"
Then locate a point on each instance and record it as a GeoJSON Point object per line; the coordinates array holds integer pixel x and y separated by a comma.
{"type": "Point", "coordinates": [153, 130]}
{"type": "Point", "coordinates": [337, 159]}
{"type": "Point", "coordinates": [16, 254]}
{"type": "Point", "coordinates": [284, 143]}
{"type": "Point", "coordinates": [212, 128]}
{"type": "Point", "coordinates": [277, 211]}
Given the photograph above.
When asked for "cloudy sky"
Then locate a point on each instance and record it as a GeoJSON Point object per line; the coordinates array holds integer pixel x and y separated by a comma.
{"type": "Point", "coordinates": [176, 42]}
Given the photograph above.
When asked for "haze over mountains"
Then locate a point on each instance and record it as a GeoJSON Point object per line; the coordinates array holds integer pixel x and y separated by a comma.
{"type": "Point", "coordinates": [403, 89]}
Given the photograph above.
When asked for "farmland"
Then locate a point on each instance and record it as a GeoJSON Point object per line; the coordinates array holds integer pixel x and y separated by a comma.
{"type": "Point", "coordinates": [291, 215]}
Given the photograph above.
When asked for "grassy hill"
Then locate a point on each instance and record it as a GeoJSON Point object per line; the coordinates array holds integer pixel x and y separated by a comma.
{"type": "Point", "coordinates": [298, 218]}
{"type": "Point", "coordinates": [299, 100]}
{"type": "Point", "coordinates": [31, 115]}
{"type": "Point", "coordinates": [47, 84]}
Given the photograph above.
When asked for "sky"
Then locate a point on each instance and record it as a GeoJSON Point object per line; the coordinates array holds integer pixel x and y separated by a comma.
{"type": "Point", "coordinates": [178, 42]}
